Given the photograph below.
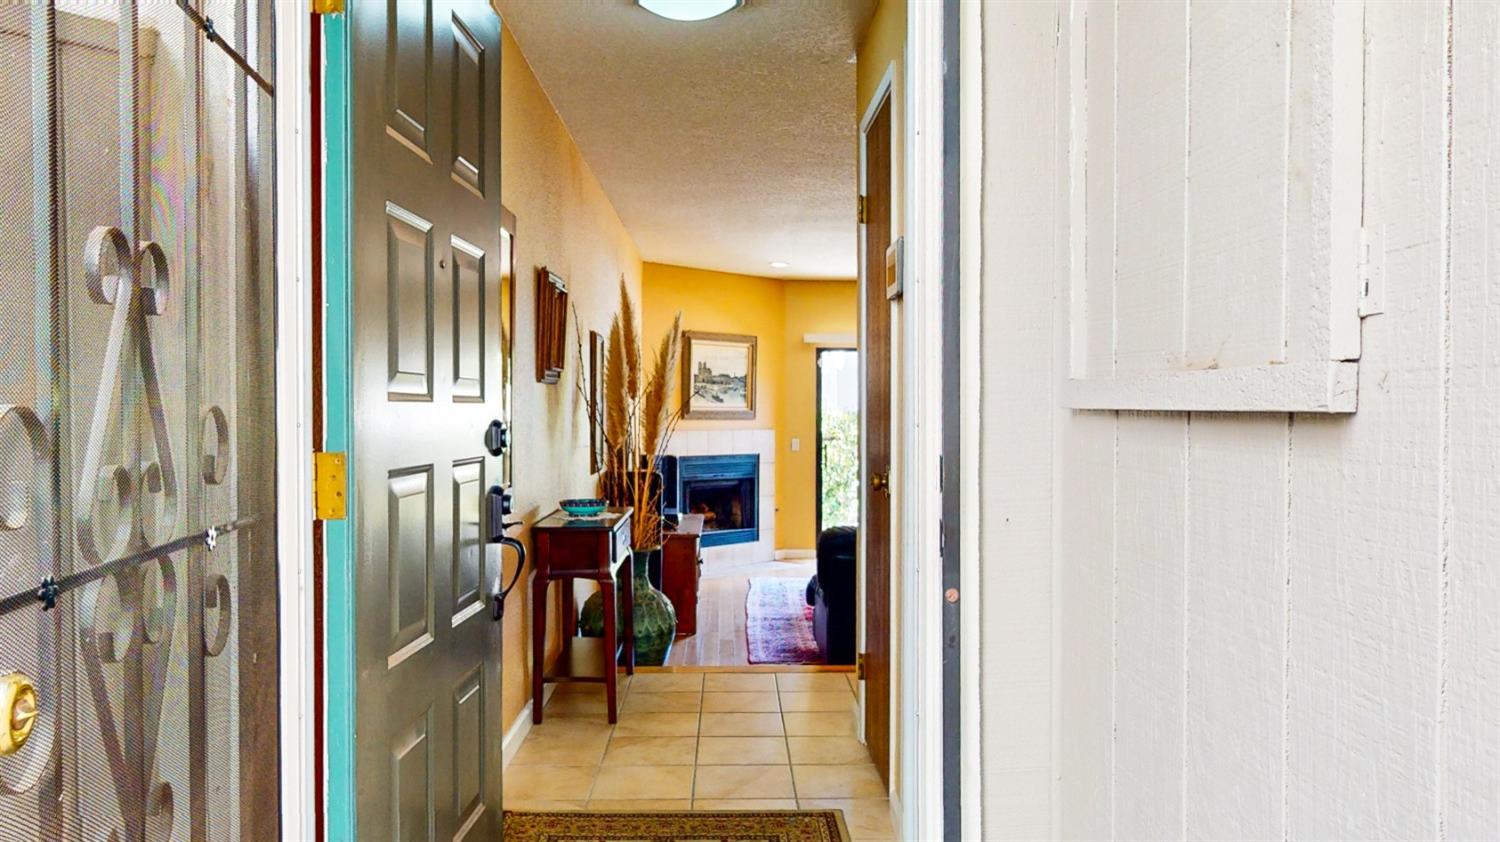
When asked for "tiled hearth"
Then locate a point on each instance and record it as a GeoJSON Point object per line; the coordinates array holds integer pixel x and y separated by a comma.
{"type": "Point", "coordinates": [726, 441]}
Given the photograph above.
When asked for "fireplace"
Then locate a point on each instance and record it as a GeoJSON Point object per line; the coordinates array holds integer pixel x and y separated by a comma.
{"type": "Point", "coordinates": [725, 490]}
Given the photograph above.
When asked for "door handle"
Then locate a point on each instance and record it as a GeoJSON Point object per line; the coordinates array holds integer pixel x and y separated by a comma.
{"type": "Point", "coordinates": [498, 595]}
{"type": "Point", "coordinates": [19, 708]}
{"type": "Point", "coordinates": [498, 502]}
{"type": "Point", "coordinates": [497, 437]}
{"type": "Point", "coordinates": [880, 482]}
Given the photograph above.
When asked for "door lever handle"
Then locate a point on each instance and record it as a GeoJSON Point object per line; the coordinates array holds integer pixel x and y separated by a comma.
{"type": "Point", "coordinates": [498, 595]}
{"type": "Point", "coordinates": [498, 501]}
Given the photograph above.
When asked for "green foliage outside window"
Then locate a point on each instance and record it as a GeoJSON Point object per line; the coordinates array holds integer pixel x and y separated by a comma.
{"type": "Point", "coordinates": [840, 503]}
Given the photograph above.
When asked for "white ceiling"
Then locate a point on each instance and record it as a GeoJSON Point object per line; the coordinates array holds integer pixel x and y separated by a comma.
{"type": "Point", "coordinates": [724, 144]}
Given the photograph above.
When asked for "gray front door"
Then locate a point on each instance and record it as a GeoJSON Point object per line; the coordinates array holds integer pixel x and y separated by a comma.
{"type": "Point", "coordinates": [428, 375]}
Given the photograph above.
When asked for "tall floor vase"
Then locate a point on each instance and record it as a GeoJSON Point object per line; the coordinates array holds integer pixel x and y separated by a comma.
{"type": "Point", "coordinates": [655, 618]}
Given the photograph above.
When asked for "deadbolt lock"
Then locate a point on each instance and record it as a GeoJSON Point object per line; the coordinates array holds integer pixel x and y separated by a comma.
{"type": "Point", "coordinates": [18, 706]}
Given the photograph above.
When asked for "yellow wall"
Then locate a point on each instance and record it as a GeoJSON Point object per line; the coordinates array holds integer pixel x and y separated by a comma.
{"type": "Point", "coordinates": [565, 222]}
{"type": "Point", "coordinates": [811, 307]}
{"type": "Point", "coordinates": [720, 302]}
{"type": "Point", "coordinates": [778, 313]}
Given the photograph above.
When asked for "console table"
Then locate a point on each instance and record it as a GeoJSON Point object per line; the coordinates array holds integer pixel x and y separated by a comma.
{"type": "Point", "coordinates": [596, 549]}
{"type": "Point", "coordinates": [681, 558]}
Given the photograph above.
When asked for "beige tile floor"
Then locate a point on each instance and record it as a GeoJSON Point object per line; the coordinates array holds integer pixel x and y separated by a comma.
{"type": "Point", "coordinates": [704, 741]}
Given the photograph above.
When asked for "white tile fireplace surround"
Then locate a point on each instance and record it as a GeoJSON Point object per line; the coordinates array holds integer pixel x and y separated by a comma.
{"type": "Point", "coordinates": [718, 442]}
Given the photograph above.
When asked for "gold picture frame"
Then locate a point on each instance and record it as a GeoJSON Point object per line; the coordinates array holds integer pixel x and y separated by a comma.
{"type": "Point", "coordinates": [718, 376]}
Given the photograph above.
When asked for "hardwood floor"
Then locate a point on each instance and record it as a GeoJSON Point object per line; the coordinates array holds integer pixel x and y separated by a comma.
{"type": "Point", "coordinates": [720, 641]}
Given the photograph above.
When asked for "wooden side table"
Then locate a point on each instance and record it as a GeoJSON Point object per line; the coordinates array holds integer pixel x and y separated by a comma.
{"type": "Point", "coordinates": [596, 549]}
{"type": "Point", "coordinates": [681, 558]}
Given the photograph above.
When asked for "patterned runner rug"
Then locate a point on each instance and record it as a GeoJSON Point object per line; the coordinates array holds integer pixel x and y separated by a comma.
{"type": "Point", "coordinates": [778, 622]}
{"type": "Point", "coordinates": [726, 826]}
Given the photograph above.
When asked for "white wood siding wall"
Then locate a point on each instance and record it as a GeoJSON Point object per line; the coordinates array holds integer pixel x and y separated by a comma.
{"type": "Point", "coordinates": [1217, 152]}
{"type": "Point", "coordinates": [1257, 626]}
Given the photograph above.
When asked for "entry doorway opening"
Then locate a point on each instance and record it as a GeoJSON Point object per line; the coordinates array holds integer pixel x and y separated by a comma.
{"type": "Point", "coordinates": [838, 437]}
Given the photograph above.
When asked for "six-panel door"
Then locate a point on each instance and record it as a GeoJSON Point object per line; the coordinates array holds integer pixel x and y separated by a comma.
{"type": "Point", "coordinates": [427, 380]}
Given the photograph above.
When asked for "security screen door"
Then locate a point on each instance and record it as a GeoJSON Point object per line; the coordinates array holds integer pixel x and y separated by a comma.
{"type": "Point", "coordinates": [138, 636]}
{"type": "Point", "coordinates": [428, 378]}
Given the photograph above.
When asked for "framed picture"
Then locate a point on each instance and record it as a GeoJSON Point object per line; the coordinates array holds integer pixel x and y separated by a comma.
{"type": "Point", "coordinates": [718, 375]}
{"type": "Point", "coordinates": [596, 402]}
{"type": "Point", "coordinates": [551, 326]}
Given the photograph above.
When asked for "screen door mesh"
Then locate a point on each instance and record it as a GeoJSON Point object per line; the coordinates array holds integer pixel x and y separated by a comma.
{"type": "Point", "coordinates": [137, 434]}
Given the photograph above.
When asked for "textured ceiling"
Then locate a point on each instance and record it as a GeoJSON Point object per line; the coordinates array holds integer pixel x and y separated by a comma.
{"type": "Point", "coordinates": [724, 144]}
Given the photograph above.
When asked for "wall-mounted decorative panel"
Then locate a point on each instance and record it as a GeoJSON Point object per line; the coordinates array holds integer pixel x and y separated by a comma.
{"type": "Point", "coordinates": [551, 326]}
{"type": "Point", "coordinates": [1217, 161]}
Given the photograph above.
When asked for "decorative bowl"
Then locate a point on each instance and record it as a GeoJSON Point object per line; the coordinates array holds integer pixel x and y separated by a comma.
{"type": "Point", "coordinates": [582, 506]}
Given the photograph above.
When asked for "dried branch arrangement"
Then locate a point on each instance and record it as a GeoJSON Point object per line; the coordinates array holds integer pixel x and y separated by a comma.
{"type": "Point", "coordinates": [638, 418]}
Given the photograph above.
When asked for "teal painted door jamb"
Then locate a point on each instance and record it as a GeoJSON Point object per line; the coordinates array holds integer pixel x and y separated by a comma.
{"type": "Point", "coordinates": [338, 535]}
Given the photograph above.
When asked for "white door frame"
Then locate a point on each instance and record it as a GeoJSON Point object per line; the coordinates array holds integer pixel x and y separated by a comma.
{"type": "Point", "coordinates": [919, 649]}
{"type": "Point", "coordinates": [294, 362]}
{"type": "Point", "coordinates": [919, 565]}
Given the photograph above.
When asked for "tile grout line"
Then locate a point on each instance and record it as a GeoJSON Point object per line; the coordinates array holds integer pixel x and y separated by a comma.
{"type": "Point", "coordinates": [786, 740]}
{"type": "Point", "coordinates": [697, 744]}
{"type": "Point", "coordinates": [593, 801]}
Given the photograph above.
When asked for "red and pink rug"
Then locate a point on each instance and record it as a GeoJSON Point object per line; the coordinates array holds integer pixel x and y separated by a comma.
{"type": "Point", "coordinates": [779, 622]}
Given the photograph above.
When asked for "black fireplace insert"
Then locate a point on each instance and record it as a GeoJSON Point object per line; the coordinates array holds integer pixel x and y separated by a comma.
{"type": "Point", "coordinates": [726, 491]}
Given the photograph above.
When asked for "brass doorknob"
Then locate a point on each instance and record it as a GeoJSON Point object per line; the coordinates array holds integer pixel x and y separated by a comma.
{"type": "Point", "coordinates": [880, 482]}
{"type": "Point", "coordinates": [18, 706]}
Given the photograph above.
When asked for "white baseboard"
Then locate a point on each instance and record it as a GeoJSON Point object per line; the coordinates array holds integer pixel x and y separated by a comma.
{"type": "Point", "coordinates": [516, 733]}
{"type": "Point", "coordinates": [795, 555]}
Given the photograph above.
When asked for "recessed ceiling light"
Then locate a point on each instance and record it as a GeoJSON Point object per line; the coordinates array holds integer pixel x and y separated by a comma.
{"type": "Point", "coordinates": [779, 264]}
{"type": "Point", "coordinates": [688, 10]}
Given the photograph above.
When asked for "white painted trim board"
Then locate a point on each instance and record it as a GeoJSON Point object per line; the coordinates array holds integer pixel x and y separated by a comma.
{"type": "Point", "coordinates": [515, 735]}
{"type": "Point", "coordinates": [299, 805]}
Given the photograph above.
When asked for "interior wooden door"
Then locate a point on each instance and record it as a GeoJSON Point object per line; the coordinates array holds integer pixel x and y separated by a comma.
{"type": "Point", "coordinates": [427, 373]}
{"type": "Point", "coordinates": [876, 528]}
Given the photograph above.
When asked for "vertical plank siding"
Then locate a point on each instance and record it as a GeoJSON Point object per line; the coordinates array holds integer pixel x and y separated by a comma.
{"type": "Point", "coordinates": [1262, 625]}
{"type": "Point", "coordinates": [1016, 676]}
{"type": "Point", "coordinates": [1366, 529]}
{"type": "Point", "coordinates": [1469, 774]}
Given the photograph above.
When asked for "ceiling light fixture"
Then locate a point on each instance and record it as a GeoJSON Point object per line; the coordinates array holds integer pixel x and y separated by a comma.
{"type": "Point", "coordinates": [779, 264]}
{"type": "Point", "coordinates": [688, 10]}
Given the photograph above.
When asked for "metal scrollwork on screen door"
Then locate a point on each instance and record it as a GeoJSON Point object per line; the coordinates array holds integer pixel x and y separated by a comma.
{"type": "Point", "coordinates": [138, 288]}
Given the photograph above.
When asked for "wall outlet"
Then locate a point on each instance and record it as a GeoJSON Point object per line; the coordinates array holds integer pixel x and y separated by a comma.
{"type": "Point", "coordinates": [796, 445]}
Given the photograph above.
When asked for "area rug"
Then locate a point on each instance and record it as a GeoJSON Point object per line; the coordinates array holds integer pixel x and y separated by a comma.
{"type": "Point", "coordinates": [725, 826]}
{"type": "Point", "coordinates": [778, 622]}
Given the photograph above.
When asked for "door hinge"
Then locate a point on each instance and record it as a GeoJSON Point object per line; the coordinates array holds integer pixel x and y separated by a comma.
{"type": "Point", "coordinates": [861, 211]}
{"type": "Point", "coordinates": [1371, 272]}
{"type": "Point", "coordinates": [330, 485]}
{"type": "Point", "coordinates": [859, 666]}
{"type": "Point", "coordinates": [327, 7]}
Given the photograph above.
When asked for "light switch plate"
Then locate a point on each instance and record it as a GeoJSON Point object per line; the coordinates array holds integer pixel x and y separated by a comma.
{"type": "Point", "coordinates": [796, 445]}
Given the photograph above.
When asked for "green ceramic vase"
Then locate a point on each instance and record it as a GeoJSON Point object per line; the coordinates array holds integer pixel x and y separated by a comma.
{"type": "Point", "coordinates": [655, 618]}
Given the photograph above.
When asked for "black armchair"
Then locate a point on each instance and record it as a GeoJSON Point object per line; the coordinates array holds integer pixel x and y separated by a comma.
{"type": "Point", "coordinates": [831, 594]}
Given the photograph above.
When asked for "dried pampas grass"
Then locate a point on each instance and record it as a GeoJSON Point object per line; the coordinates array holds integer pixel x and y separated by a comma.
{"type": "Point", "coordinates": [638, 419]}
